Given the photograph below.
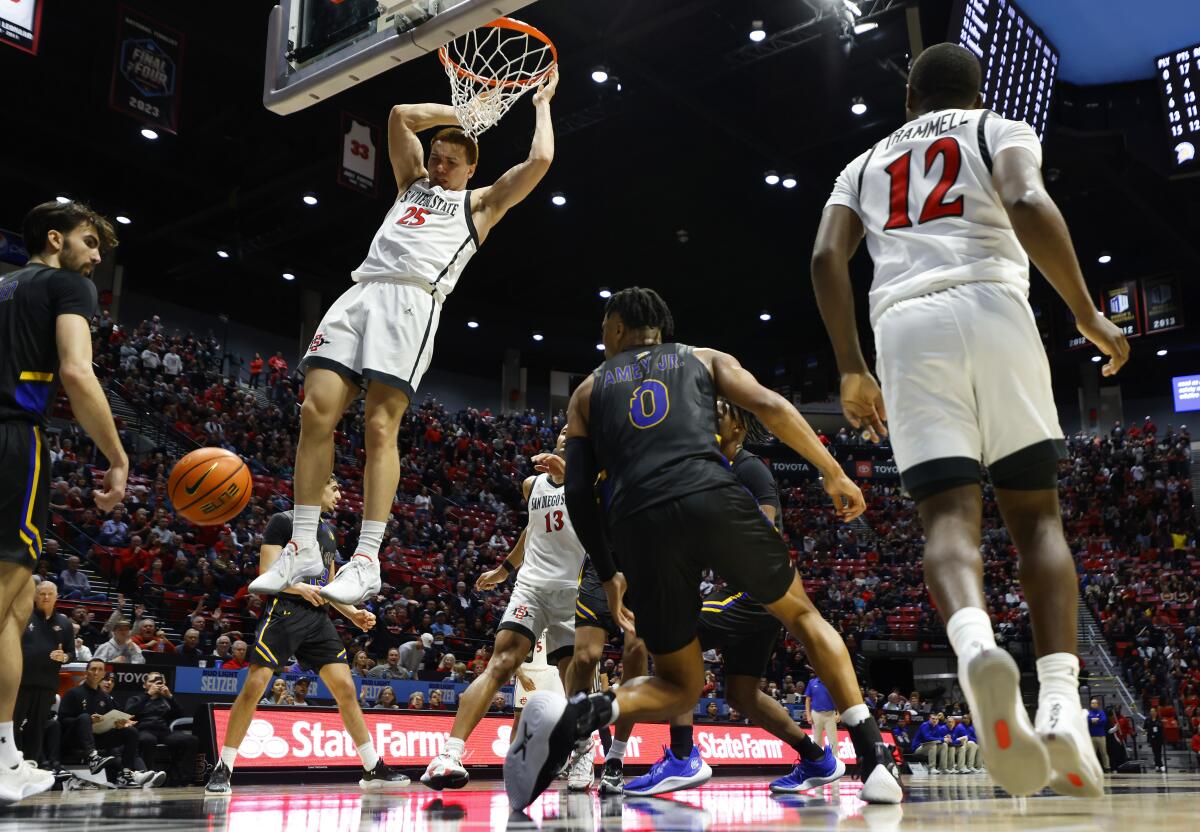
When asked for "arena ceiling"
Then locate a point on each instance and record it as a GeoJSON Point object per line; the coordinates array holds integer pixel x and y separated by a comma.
{"type": "Point", "coordinates": [664, 180]}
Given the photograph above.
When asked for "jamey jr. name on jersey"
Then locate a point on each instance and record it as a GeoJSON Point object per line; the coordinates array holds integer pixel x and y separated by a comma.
{"type": "Point", "coordinates": [641, 366]}
{"type": "Point", "coordinates": [933, 127]}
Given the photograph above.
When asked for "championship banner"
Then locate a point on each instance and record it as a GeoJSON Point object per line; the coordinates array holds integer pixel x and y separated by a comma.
{"type": "Point", "coordinates": [1120, 305]}
{"type": "Point", "coordinates": [146, 67]}
{"type": "Point", "coordinates": [307, 738]}
{"type": "Point", "coordinates": [21, 24]}
{"type": "Point", "coordinates": [1162, 304]}
{"type": "Point", "coordinates": [358, 168]}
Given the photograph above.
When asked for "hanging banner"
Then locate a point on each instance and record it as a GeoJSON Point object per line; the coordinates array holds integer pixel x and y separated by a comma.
{"type": "Point", "coordinates": [1120, 305]}
{"type": "Point", "coordinates": [146, 67]}
{"type": "Point", "coordinates": [1162, 304]}
{"type": "Point", "coordinates": [359, 165]}
{"type": "Point", "coordinates": [21, 23]}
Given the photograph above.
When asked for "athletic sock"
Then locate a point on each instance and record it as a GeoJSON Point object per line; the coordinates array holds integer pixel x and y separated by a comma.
{"type": "Point", "coordinates": [229, 756]}
{"type": "Point", "coordinates": [681, 741]}
{"type": "Point", "coordinates": [368, 755]}
{"type": "Point", "coordinates": [970, 632]}
{"type": "Point", "coordinates": [370, 538]}
{"type": "Point", "coordinates": [808, 750]}
{"type": "Point", "coordinates": [305, 520]}
{"type": "Point", "coordinates": [454, 748]}
{"type": "Point", "coordinates": [1058, 677]}
{"type": "Point", "coordinates": [606, 738]}
{"type": "Point", "coordinates": [864, 730]}
{"type": "Point", "coordinates": [9, 756]}
{"type": "Point", "coordinates": [616, 751]}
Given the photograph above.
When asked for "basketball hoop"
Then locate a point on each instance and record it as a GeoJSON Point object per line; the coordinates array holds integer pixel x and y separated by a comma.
{"type": "Point", "coordinates": [491, 67]}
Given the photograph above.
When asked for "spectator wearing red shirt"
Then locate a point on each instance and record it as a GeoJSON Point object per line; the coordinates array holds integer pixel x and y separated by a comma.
{"type": "Point", "coordinates": [279, 367]}
{"type": "Point", "coordinates": [256, 365]}
{"type": "Point", "coordinates": [238, 658]}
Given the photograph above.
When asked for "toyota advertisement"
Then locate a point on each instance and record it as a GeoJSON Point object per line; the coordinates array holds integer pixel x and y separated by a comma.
{"type": "Point", "coordinates": [313, 738]}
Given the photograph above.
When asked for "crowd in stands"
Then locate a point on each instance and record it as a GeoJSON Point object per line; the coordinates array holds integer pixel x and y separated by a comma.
{"type": "Point", "coordinates": [1127, 503]}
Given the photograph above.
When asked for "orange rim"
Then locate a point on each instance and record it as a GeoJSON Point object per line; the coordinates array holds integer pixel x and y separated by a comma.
{"type": "Point", "coordinates": [517, 26]}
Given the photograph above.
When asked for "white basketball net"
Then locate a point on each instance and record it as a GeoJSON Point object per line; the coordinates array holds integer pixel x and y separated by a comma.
{"type": "Point", "coordinates": [489, 69]}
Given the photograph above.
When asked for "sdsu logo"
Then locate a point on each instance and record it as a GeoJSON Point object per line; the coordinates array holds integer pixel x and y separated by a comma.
{"type": "Point", "coordinates": [520, 612]}
{"type": "Point", "coordinates": [319, 340]}
{"type": "Point", "coordinates": [261, 740]}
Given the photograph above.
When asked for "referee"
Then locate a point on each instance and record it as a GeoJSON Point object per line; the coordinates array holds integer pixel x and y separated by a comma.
{"type": "Point", "coordinates": [45, 339]}
{"type": "Point", "coordinates": [46, 645]}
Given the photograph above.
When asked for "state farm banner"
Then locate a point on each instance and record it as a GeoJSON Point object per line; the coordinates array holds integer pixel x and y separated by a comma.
{"type": "Point", "coordinates": [306, 738]}
{"type": "Point", "coordinates": [146, 67]}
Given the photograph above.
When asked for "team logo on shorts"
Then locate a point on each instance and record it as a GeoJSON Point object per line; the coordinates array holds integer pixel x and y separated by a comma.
{"type": "Point", "coordinates": [520, 612]}
{"type": "Point", "coordinates": [319, 340]}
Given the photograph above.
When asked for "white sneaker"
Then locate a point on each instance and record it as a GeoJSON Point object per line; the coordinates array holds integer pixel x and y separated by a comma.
{"type": "Point", "coordinates": [24, 780]}
{"type": "Point", "coordinates": [354, 583]}
{"type": "Point", "coordinates": [445, 772]}
{"type": "Point", "coordinates": [295, 562]}
{"type": "Point", "coordinates": [1015, 756]}
{"type": "Point", "coordinates": [582, 770]}
{"type": "Point", "coordinates": [1063, 729]}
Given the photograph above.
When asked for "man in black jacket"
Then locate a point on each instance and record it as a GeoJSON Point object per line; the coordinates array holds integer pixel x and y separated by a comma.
{"type": "Point", "coordinates": [47, 643]}
{"type": "Point", "coordinates": [1154, 735]}
{"type": "Point", "coordinates": [155, 710]}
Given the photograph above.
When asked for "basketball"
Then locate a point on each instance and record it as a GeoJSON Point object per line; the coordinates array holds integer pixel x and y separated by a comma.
{"type": "Point", "coordinates": [209, 486]}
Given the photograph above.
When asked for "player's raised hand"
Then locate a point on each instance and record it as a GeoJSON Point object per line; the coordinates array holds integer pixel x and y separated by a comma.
{"type": "Point", "coordinates": [113, 490]}
{"type": "Point", "coordinates": [490, 579]}
{"type": "Point", "coordinates": [1108, 338]}
{"type": "Point", "coordinates": [545, 90]}
{"type": "Point", "coordinates": [847, 497]}
{"type": "Point", "coordinates": [551, 464]}
{"type": "Point", "coordinates": [862, 404]}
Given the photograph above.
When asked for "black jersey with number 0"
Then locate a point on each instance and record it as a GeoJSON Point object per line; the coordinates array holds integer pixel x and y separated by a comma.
{"type": "Point", "coordinates": [31, 299]}
{"type": "Point", "coordinates": [653, 423]}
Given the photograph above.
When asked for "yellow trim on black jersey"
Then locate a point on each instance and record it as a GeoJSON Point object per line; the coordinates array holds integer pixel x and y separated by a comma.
{"type": "Point", "coordinates": [29, 375]}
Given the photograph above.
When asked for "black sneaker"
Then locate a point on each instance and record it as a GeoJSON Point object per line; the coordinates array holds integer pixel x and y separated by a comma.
{"type": "Point", "coordinates": [218, 781]}
{"type": "Point", "coordinates": [550, 727]}
{"type": "Point", "coordinates": [382, 777]}
{"type": "Point", "coordinates": [97, 762]}
{"type": "Point", "coordinates": [880, 776]}
{"type": "Point", "coordinates": [612, 780]}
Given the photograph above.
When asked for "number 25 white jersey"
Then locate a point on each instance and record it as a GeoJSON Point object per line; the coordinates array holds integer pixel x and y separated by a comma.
{"type": "Point", "coordinates": [932, 216]}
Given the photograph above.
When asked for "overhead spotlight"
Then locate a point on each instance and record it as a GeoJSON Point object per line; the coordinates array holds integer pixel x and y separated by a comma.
{"type": "Point", "coordinates": [757, 33]}
{"type": "Point", "coordinates": [558, 198]}
{"type": "Point", "coordinates": [62, 200]}
{"type": "Point", "coordinates": [1161, 353]}
{"type": "Point", "coordinates": [858, 106]}
{"type": "Point", "coordinates": [600, 75]}
{"type": "Point", "coordinates": [289, 276]}
{"type": "Point", "coordinates": [852, 8]}
{"type": "Point", "coordinates": [1104, 259]}
{"type": "Point", "coordinates": [223, 254]}
{"type": "Point", "coordinates": [771, 177]}
{"type": "Point", "coordinates": [600, 347]}
{"type": "Point", "coordinates": [863, 28]}
{"type": "Point", "coordinates": [605, 292]}
{"type": "Point", "coordinates": [121, 218]}
{"type": "Point", "coordinates": [788, 181]}
{"type": "Point", "coordinates": [537, 336]}
{"type": "Point", "coordinates": [1096, 359]}
{"type": "Point", "coordinates": [472, 324]}
{"type": "Point", "coordinates": [147, 133]}
{"type": "Point", "coordinates": [764, 315]}
{"type": "Point", "coordinates": [620, 87]}
{"type": "Point", "coordinates": [309, 198]}
{"type": "Point", "coordinates": [682, 235]}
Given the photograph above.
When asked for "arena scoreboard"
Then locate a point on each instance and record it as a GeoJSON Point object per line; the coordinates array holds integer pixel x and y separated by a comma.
{"type": "Point", "coordinates": [1178, 77]}
{"type": "Point", "coordinates": [1019, 62]}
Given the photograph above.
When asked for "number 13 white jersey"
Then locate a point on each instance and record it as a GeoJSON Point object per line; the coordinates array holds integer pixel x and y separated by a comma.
{"type": "Point", "coordinates": [933, 217]}
{"type": "Point", "coordinates": [553, 554]}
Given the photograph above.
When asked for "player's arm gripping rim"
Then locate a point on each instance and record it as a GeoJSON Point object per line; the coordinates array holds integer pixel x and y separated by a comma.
{"type": "Point", "coordinates": [494, 577]}
{"type": "Point", "coordinates": [404, 148]}
{"type": "Point", "coordinates": [490, 203]}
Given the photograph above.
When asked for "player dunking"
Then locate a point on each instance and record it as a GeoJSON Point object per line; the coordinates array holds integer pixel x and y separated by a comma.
{"type": "Point", "coordinates": [296, 623]}
{"type": "Point", "coordinates": [379, 333]}
{"type": "Point", "coordinates": [549, 556]}
{"type": "Point", "coordinates": [950, 204]}
{"type": "Point", "coordinates": [45, 339]}
{"type": "Point", "coordinates": [645, 423]}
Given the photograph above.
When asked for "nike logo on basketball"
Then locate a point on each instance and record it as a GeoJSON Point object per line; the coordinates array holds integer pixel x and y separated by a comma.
{"type": "Point", "coordinates": [192, 489]}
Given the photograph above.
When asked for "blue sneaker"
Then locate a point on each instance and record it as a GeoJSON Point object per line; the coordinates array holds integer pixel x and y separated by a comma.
{"type": "Point", "coordinates": [670, 774]}
{"type": "Point", "coordinates": [810, 774]}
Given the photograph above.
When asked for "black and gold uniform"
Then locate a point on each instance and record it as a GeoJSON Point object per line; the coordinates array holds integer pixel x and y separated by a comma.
{"type": "Point", "coordinates": [31, 300]}
{"type": "Point", "coordinates": [293, 626]}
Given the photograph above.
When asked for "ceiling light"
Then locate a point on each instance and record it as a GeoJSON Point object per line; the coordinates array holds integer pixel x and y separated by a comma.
{"type": "Point", "coordinates": [1096, 359]}
{"type": "Point", "coordinates": [757, 33]}
{"type": "Point", "coordinates": [121, 218]}
{"type": "Point", "coordinates": [764, 315]}
{"type": "Point", "coordinates": [605, 292]}
{"type": "Point", "coordinates": [222, 253]}
{"type": "Point", "coordinates": [858, 106]}
{"type": "Point", "coordinates": [852, 8]}
{"type": "Point", "coordinates": [310, 198]}
{"type": "Point", "coordinates": [147, 133]}
{"type": "Point", "coordinates": [1104, 259]}
{"type": "Point", "coordinates": [600, 75]}
{"type": "Point", "coordinates": [537, 336]}
{"type": "Point", "coordinates": [600, 347]}
{"type": "Point", "coordinates": [558, 198]}
{"type": "Point", "coordinates": [62, 200]}
{"type": "Point", "coordinates": [1161, 353]}
{"type": "Point", "coordinates": [863, 28]}
{"type": "Point", "coordinates": [771, 177]}
{"type": "Point", "coordinates": [472, 324]}
{"type": "Point", "coordinates": [289, 276]}
{"type": "Point", "coordinates": [788, 181]}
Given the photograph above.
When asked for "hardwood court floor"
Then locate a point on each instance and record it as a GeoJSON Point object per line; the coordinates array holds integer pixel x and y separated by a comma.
{"type": "Point", "coordinates": [1164, 803]}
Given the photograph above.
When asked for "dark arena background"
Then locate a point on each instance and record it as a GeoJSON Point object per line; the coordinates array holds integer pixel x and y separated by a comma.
{"type": "Point", "coordinates": [696, 142]}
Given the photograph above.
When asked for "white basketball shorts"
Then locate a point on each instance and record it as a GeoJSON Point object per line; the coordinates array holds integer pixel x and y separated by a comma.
{"type": "Point", "coordinates": [531, 610]}
{"type": "Point", "coordinates": [377, 330]}
{"type": "Point", "coordinates": [966, 381]}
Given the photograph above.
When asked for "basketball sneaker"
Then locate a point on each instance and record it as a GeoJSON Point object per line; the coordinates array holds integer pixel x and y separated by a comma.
{"type": "Point", "coordinates": [612, 779]}
{"type": "Point", "coordinates": [1015, 755]}
{"type": "Point", "coordinates": [810, 774]}
{"type": "Point", "coordinates": [141, 779]}
{"type": "Point", "coordinates": [1063, 729]}
{"type": "Point", "coordinates": [446, 771]}
{"type": "Point", "coordinates": [671, 774]}
{"type": "Point", "coordinates": [218, 781]}
{"type": "Point", "coordinates": [296, 562]}
{"type": "Point", "coordinates": [354, 583]}
{"type": "Point", "coordinates": [97, 762]}
{"type": "Point", "coordinates": [583, 770]}
{"type": "Point", "coordinates": [880, 776]}
{"type": "Point", "coordinates": [24, 780]}
{"type": "Point", "coordinates": [382, 777]}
